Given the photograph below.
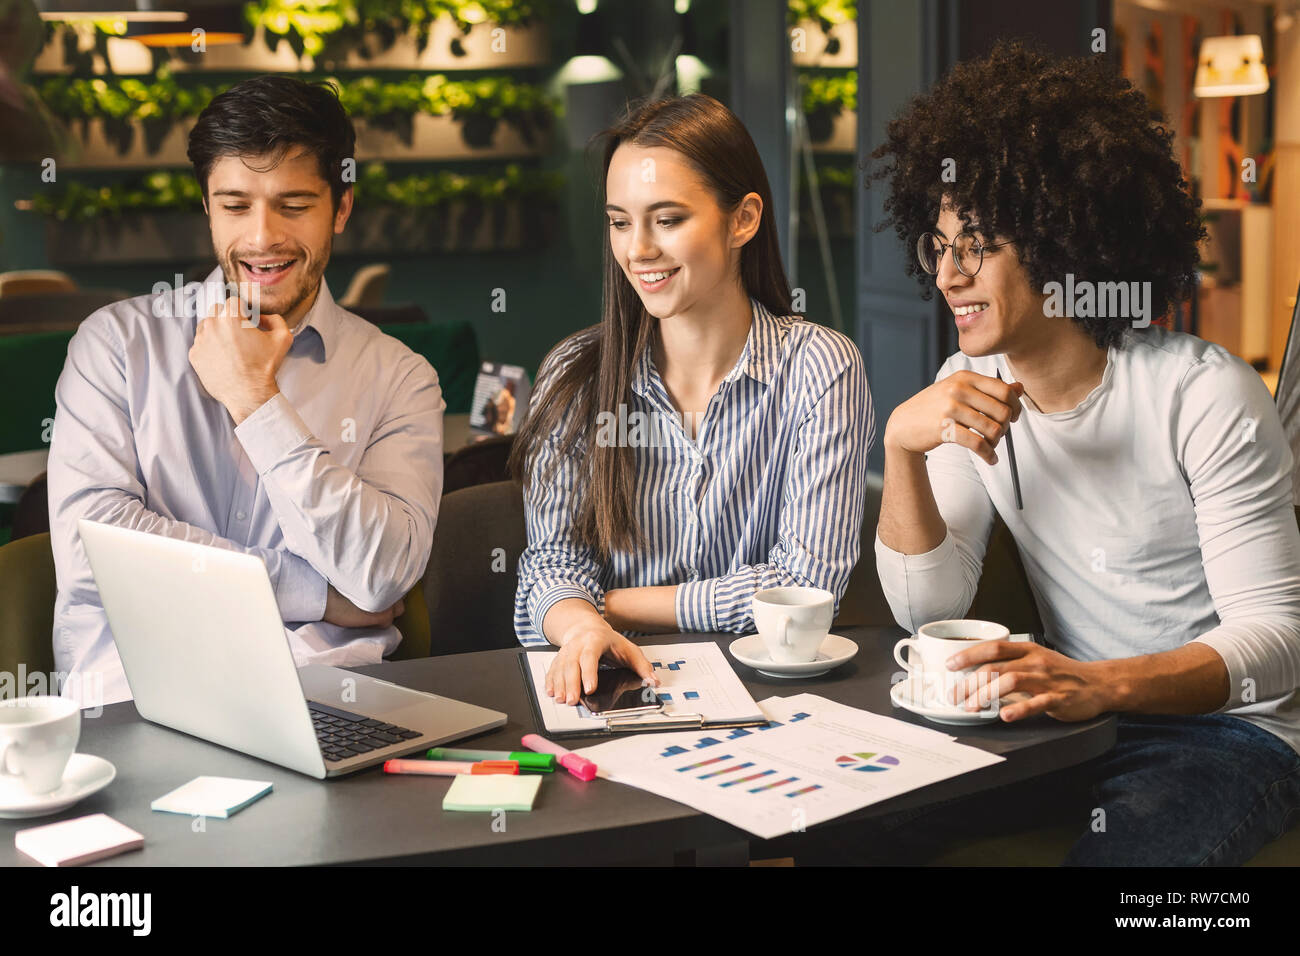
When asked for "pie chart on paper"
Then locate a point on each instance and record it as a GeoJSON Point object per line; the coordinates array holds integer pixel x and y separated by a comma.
{"type": "Point", "coordinates": [867, 763]}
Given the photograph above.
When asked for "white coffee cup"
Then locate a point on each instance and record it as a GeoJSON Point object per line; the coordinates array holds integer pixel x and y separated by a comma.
{"type": "Point", "coordinates": [37, 736]}
{"type": "Point", "coordinates": [793, 622]}
{"type": "Point", "coordinates": [930, 648]}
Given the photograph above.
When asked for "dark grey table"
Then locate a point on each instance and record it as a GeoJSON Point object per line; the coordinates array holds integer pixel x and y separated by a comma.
{"type": "Point", "coordinates": [373, 817]}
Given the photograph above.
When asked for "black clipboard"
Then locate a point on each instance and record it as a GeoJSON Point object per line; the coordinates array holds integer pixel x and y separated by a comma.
{"type": "Point", "coordinates": [622, 725]}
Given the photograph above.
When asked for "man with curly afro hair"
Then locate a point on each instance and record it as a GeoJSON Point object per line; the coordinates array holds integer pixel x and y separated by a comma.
{"type": "Point", "coordinates": [1153, 511]}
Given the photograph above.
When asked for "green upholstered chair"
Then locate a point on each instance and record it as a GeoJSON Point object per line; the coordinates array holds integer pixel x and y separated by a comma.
{"type": "Point", "coordinates": [452, 349]}
{"type": "Point", "coordinates": [414, 625]}
{"type": "Point", "coordinates": [27, 593]}
{"type": "Point", "coordinates": [29, 368]}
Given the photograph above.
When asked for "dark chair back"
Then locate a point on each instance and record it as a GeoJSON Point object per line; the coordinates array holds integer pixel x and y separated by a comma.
{"type": "Point", "coordinates": [32, 513]}
{"type": "Point", "coordinates": [1003, 594]}
{"type": "Point", "coordinates": [481, 463]}
{"type": "Point", "coordinates": [53, 311]}
{"type": "Point", "coordinates": [473, 571]}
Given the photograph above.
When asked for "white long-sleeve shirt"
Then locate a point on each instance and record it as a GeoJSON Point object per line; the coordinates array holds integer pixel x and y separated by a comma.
{"type": "Point", "coordinates": [336, 480]}
{"type": "Point", "coordinates": [1156, 512]}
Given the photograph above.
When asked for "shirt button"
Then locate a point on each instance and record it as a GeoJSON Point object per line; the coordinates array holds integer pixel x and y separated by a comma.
{"type": "Point", "coordinates": [240, 515]}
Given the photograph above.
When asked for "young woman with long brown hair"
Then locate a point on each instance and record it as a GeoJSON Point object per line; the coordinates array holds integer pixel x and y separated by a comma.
{"type": "Point", "coordinates": [700, 443]}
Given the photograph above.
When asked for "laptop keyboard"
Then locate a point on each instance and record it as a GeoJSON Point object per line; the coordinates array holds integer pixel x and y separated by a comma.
{"type": "Point", "coordinates": [343, 734]}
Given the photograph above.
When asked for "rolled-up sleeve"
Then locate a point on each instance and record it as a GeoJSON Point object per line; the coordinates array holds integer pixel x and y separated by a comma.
{"type": "Point", "coordinates": [369, 531]}
{"type": "Point", "coordinates": [93, 473]}
{"type": "Point", "coordinates": [819, 529]}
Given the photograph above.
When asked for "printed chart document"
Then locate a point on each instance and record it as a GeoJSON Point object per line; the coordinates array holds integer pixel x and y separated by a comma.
{"type": "Point", "coordinates": [693, 679]}
{"type": "Point", "coordinates": [814, 761]}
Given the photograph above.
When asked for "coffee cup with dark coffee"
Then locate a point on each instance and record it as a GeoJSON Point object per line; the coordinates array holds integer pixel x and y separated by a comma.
{"type": "Point", "coordinates": [928, 652]}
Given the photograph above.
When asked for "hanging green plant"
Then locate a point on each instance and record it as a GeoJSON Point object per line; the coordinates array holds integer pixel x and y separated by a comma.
{"type": "Point", "coordinates": [120, 102]}
{"type": "Point", "coordinates": [178, 191]}
{"type": "Point", "coordinates": [479, 105]}
{"type": "Point", "coordinates": [825, 96]}
{"type": "Point", "coordinates": [330, 29]}
{"type": "Point", "coordinates": [829, 92]}
{"type": "Point", "coordinates": [827, 13]}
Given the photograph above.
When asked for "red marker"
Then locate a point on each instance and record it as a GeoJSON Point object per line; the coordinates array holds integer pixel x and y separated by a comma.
{"type": "Point", "coordinates": [580, 767]}
{"type": "Point", "coordinates": [441, 768]}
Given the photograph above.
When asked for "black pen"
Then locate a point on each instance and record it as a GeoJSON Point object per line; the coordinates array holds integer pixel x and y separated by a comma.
{"type": "Point", "coordinates": [1011, 455]}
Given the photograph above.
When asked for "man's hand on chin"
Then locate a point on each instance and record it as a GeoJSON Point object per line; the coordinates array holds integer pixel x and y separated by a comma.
{"type": "Point", "coordinates": [236, 361]}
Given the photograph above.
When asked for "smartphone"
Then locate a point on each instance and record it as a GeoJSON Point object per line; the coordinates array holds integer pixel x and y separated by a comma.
{"type": "Point", "coordinates": [620, 692]}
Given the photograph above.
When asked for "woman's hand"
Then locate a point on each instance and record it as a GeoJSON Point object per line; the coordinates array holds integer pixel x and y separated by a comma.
{"type": "Point", "coordinates": [574, 670]}
{"type": "Point", "coordinates": [966, 408]}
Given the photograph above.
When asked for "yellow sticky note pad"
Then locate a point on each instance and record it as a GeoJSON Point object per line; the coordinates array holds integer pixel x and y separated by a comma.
{"type": "Point", "coordinates": [492, 791]}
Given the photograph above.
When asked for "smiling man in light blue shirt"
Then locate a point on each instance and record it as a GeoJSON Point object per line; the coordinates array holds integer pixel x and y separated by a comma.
{"type": "Point", "coordinates": [309, 438]}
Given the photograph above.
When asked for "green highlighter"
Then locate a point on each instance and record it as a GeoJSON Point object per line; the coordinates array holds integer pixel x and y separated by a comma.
{"type": "Point", "coordinates": [528, 761]}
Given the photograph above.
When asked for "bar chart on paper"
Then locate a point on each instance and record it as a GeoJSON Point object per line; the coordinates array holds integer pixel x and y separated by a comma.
{"type": "Point", "coordinates": [735, 733]}
{"type": "Point", "coordinates": [688, 683]}
{"type": "Point", "coordinates": [813, 761]}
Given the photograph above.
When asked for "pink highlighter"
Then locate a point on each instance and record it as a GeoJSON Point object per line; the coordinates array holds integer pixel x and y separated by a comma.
{"type": "Point", "coordinates": [580, 767]}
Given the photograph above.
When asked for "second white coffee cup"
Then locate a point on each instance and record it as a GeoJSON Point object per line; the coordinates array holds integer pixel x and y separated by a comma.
{"type": "Point", "coordinates": [793, 622]}
{"type": "Point", "coordinates": [929, 650]}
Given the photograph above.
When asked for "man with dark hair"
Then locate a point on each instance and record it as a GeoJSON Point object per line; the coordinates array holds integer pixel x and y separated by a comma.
{"type": "Point", "coordinates": [250, 412]}
{"type": "Point", "coordinates": [1153, 509]}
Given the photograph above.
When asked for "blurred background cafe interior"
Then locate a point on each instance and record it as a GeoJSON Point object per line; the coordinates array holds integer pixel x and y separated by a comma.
{"type": "Point", "coordinates": [472, 180]}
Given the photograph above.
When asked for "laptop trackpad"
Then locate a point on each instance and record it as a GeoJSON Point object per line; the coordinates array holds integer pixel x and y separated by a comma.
{"type": "Point", "coordinates": [418, 710]}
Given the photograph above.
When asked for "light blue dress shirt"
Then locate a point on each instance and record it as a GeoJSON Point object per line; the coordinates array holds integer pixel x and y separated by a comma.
{"type": "Point", "coordinates": [769, 494]}
{"type": "Point", "coordinates": [336, 480]}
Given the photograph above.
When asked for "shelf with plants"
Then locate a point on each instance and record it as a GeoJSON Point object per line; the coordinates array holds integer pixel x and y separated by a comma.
{"type": "Point", "coordinates": [129, 122]}
{"type": "Point", "coordinates": [830, 104]}
{"type": "Point", "coordinates": [823, 33]}
{"type": "Point", "coordinates": [159, 217]}
{"type": "Point", "coordinates": [824, 45]}
{"type": "Point", "coordinates": [309, 35]}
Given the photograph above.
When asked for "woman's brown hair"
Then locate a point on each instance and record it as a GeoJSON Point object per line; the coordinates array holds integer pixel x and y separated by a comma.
{"type": "Point", "coordinates": [598, 376]}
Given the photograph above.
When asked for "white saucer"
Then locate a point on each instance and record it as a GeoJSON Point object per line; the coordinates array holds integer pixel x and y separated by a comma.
{"type": "Point", "coordinates": [902, 695]}
{"type": "Point", "coordinates": [84, 775]}
{"type": "Point", "coordinates": [835, 650]}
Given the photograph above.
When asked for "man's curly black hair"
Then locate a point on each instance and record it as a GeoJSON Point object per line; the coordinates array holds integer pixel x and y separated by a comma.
{"type": "Point", "coordinates": [1062, 156]}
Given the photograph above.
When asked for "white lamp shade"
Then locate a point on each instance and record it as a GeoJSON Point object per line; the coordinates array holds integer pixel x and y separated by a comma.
{"type": "Point", "coordinates": [1231, 66]}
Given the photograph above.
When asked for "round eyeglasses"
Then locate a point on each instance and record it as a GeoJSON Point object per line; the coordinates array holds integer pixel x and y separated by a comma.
{"type": "Point", "coordinates": [967, 252]}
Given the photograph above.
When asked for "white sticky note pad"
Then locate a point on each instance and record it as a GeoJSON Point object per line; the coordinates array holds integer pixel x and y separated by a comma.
{"type": "Point", "coordinates": [212, 796]}
{"type": "Point", "coordinates": [492, 791]}
{"type": "Point", "coordinates": [77, 841]}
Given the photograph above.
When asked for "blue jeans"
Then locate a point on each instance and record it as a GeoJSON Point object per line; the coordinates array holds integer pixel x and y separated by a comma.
{"type": "Point", "coordinates": [1198, 790]}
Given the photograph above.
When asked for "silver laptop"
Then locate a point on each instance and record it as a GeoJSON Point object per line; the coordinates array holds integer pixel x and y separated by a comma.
{"type": "Point", "coordinates": [205, 653]}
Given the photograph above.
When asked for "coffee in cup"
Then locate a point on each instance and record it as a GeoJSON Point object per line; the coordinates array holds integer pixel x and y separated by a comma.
{"type": "Point", "coordinates": [929, 650]}
{"type": "Point", "coordinates": [793, 622]}
{"type": "Point", "coordinates": [37, 737]}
